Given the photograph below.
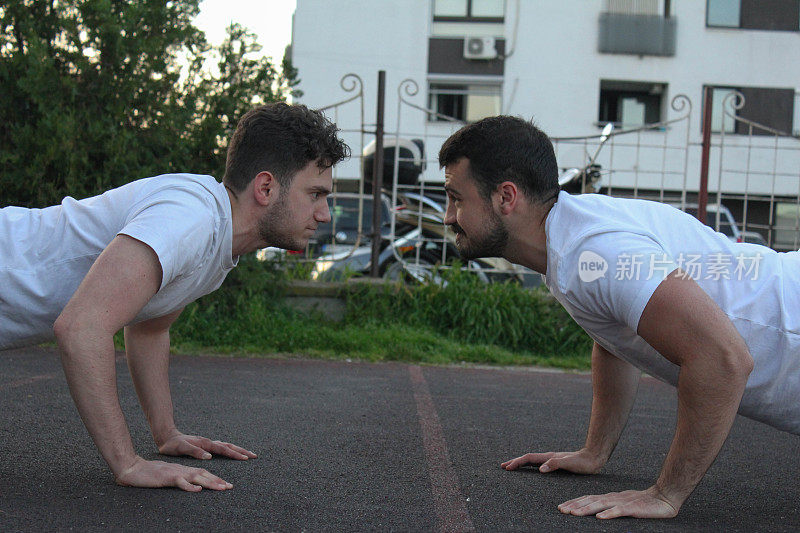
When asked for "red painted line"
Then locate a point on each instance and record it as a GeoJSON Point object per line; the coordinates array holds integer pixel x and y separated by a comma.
{"type": "Point", "coordinates": [447, 499]}
{"type": "Point", "coordinates": [26, 381]}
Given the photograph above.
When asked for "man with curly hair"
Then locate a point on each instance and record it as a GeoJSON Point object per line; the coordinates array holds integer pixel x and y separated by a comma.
{"type": "Point", "coordinates": [135, 256]}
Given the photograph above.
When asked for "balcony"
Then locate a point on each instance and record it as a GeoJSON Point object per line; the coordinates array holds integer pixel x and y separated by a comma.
{"type": "Point", "coordinates": [622, 33]}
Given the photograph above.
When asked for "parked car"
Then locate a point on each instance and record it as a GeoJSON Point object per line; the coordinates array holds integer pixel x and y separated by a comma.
{"type": "Point", "coordinates": [421, 243]}
{"type": "Point", "coordinates": [726, 223]}
{"type": "Point", "coordinates": [341, 234]}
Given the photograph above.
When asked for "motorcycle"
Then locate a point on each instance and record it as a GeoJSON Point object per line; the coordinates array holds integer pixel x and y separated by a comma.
{"type": "Point", "coordinates": [586, 179]}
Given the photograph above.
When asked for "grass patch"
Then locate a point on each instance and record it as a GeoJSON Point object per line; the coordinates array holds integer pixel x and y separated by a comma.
{"type": "Point", "coordinates": [463, 321]}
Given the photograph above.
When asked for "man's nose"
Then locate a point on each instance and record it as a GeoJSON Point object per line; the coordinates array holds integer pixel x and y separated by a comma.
{"type": "Point", "coordinates": [449, 214]}
{"type": "Point", "coordinates": [324, 214]}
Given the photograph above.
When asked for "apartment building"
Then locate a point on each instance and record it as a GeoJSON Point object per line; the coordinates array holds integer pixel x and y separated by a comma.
{"type": "Point", "coordinates": [572, 66]}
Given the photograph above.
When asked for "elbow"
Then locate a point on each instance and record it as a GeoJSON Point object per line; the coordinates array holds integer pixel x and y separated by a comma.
{"type": "Point", "coordinates": [739, 364]}
{"type": "Point", "coordinates": [69, 332]}
{"type": "Point", "coordinates": [75, 332]}
{"type": "Point", "coordinates": [747, 364]}
{"type": "Point", "coordinates": [63, 330]}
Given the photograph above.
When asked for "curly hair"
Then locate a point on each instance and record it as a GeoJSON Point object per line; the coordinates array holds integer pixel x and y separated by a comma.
{"type": "Point", "coordinates": [281, 139]}
{"type": "Point", "coordinates": [505, 148]}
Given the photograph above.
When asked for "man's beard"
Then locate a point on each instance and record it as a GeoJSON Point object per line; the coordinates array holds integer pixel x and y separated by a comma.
{"type": "Point", "coordinates": [273, 230]}
{"type": "Point", "coordinates": [493, 244]}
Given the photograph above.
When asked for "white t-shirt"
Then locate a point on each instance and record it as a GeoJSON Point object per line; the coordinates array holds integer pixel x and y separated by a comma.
{"type": "Point", "coordinates": [606, 256]}
{"type": "Point", "coordinates": [46, 253]}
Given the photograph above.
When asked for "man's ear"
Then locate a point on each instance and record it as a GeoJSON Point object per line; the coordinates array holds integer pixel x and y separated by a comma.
{"type": "Point", "coordinates": [508, 195]}
{"type": "Point", "coordinates": [265, 188]}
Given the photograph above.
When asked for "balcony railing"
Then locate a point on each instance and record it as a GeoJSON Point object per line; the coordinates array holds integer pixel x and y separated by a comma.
{"type": "Point", "coordinates": [634, 33]}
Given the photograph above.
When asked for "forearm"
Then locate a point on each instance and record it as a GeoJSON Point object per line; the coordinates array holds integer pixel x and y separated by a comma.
{"type": "Point", "coordinates": [709, 394]}
{"type": "Point", "coordinates": [614, 386]}
{"type": "Point", "coordinates": [89, 366]}
{"type": "Point", "coordinates": [148, 361]}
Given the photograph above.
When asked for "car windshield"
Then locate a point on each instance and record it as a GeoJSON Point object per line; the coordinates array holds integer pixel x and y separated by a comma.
{"type": "Point", "coordinates": [344, 212]}
{"type": "Point", "coordinates": [711, 220]}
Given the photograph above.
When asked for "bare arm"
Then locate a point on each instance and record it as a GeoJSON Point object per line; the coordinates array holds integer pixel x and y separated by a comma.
{"type": "Point", "coordinates": [124, 277]}
{"type": "Point", "coordinates": [147, 348]}
{"type": "Point", "coordinates": [689, 329]}
{"type": "Point", "coordinates": [122, 280]}
{"type": "Point", "coordinates": [684, 325]}
{"type": "Point", "coordinates": [614, 386]}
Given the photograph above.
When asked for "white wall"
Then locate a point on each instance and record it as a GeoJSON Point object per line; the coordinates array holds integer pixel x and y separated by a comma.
{"type": "Point", "coordinates": [331, 39]}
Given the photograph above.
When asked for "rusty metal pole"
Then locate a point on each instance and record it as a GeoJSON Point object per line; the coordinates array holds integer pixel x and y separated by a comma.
{"type": "Point", "coordinates": [377, 177]}
{"type": "Point", "coordinates": [702, 196]}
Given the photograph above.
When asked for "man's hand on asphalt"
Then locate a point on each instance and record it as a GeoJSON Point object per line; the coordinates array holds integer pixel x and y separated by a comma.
{"type": "Point", "coordinates": [636, 503]}
{"type": "Point", "coordinates": [581, 462]}
{"type": "Point", "coordinates": [202, 448]}
{"type": "Point", "coordinates": [160, 474]}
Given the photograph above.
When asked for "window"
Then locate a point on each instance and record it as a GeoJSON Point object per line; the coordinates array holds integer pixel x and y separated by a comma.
{"type": "Point", "coordinates": [467, 102]}
{"type": "Point", "coordinates": [630, 104]}
{"type": "Point", "coordinates": [468, 10]}
{"type": "Point", "coordinates": [787, 226]}
{"type": "Point", "coordinates": [718, 118]}
{"type": "Point", "coordinates": [766, 106]}
{"type": "Point", "coordinates": [723, 13]}
{"type": "Point", "coordinates": [775, 15]}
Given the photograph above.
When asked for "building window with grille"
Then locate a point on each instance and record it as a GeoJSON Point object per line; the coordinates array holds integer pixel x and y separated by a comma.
{"type": "Point", "coordinates": [774, 15]}
{"type": "Point", "coordinates": [631, 104]}
{"type": "Point", "coordinates": [765, 106]}
{"type": "Point", "coordinates": [467, 102]}
{"type": "Point", "coordinates": [719, 120]}
{"type": "Point", "coordinates": [786, 235]}
{"type": "Point", "coordinates": [468, 10]}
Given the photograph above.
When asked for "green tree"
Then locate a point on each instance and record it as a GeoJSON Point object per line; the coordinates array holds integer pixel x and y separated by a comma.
{"type": "Point", "coordinates": [96, 93]}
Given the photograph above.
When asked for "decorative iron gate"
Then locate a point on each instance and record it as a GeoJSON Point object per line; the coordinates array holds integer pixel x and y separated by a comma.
{"type": "Point", "coordinates": [757, 177]}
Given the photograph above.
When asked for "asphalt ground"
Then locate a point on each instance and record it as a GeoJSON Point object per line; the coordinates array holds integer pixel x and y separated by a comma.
{"type": "Point", "coordinates": [368, 447]}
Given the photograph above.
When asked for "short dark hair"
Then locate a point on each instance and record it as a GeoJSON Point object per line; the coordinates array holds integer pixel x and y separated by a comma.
{"type": "Point", "coordinates": [281, 139]}
{"type": "Point", "coordinates": [505, 148]}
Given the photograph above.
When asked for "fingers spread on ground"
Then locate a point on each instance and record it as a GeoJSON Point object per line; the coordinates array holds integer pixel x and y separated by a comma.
{"type": "Point", "coordinates": [549, 465]}
{"type": "Point", "coordinates": [243, 451]}
{"type": "Point", "coordinates": [591, 507]}
{"type": "Point", "coordinates": [574, 503]}
{"type": "Point", "coordinates": [527, 459]}
{"type": "Point", "coordinates": [228, 450]}
{"type": "Point", "coordinates": [198, 453]}
{"type": "Point", "coordinates": [614, 512]}
{"type": "Point", "coordinates": [210, 481]}
{"type": "Point", "coordinates": [183, 484]}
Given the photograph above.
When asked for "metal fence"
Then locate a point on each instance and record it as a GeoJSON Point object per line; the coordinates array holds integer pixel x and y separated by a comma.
{"type": "Point", "coordinates": [755, 175]}
{"type": "Point", "coordinates": [756, 154]}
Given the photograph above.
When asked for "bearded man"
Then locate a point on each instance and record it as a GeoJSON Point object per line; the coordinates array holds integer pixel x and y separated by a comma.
{"type": "Point", "coordinates": [656, 290]}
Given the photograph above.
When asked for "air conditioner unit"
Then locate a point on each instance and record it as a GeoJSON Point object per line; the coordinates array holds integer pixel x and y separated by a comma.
{"type": "Point", "coordinates": [479, 48]}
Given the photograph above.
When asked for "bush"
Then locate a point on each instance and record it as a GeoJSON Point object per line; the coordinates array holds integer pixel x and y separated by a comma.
{"type": "Point", "coordinates": [464, 308]}
{"type": "Point", "coordinates": [465, 320]}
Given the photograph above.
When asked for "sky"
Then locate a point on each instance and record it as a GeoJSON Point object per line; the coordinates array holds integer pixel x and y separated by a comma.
{"type": "Point", "coordinates": [270, 20]}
